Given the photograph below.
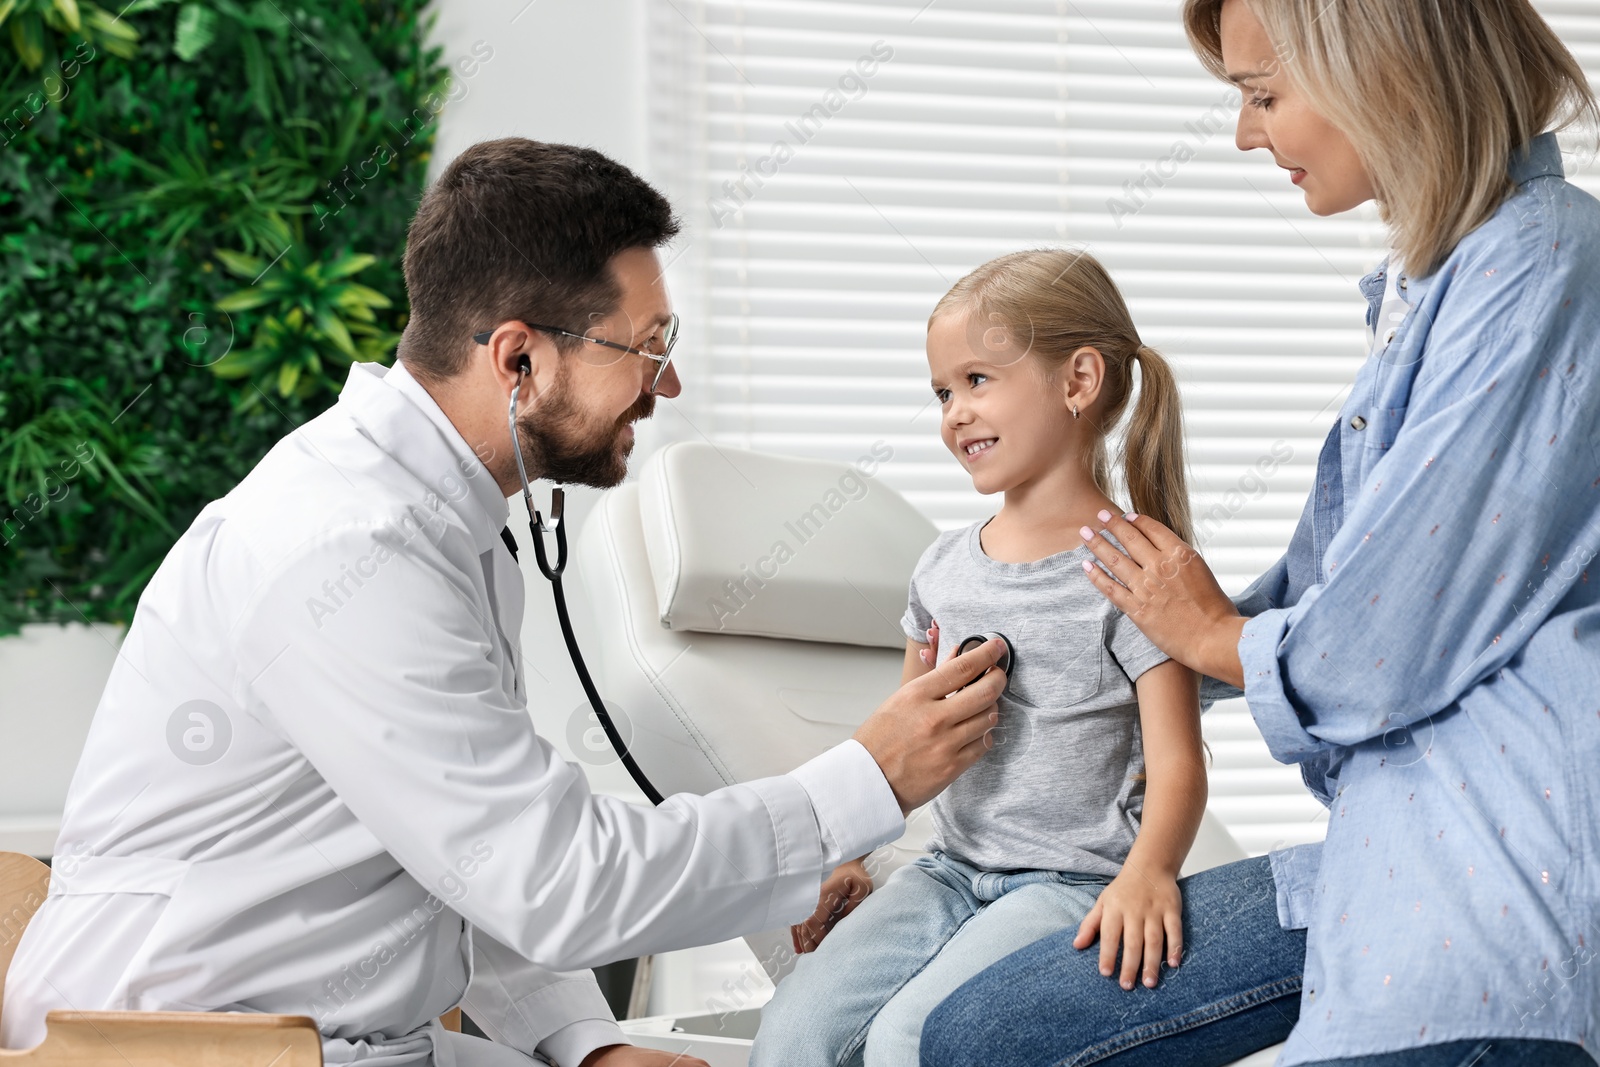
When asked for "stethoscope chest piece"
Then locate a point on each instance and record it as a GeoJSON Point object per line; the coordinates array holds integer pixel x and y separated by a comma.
{"type": "Point", "coordinates": [1007, 656]}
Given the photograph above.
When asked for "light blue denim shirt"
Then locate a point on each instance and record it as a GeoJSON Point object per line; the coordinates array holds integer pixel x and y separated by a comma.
{"type": "Point", "coordinates": [1428, 650]}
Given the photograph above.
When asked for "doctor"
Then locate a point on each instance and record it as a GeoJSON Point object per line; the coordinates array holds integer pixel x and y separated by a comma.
{"type": "Point", "coordinates": [312, 785]}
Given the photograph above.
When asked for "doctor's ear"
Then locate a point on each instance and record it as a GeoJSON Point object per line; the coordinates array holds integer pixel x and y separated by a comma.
{"type": "Point", "coordinates": [521, 356]}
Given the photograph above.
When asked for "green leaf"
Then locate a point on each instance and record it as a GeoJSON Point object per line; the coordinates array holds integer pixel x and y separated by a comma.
{"type": "Point", "coordinates": [359, 294]}
{"type": "Point", "coordinates": [27, 34]}
{"type": "Point", "coordinates": [288, 378]}
{"type": "Point", "coordinates": [242, 265]}
{"type": "Point", "coordinates": [195, 30]}
{"type": "Point", "coordinates": [333, 329]}
{"type": "Point", "coordinates": [349, 264]}
{"type": "Point", "coordinates": [258, 75]}
{"type": "Point", "coordinates": [244, 299]}
{"type": "Point", "coordinates": [69, 13]}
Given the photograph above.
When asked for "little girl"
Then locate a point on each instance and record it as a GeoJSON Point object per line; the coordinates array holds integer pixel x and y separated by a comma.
{"type": "Point", "coordinates": [1058, 825]}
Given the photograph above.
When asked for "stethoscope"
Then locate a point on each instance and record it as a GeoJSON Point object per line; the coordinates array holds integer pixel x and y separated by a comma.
{"type": "Point", "coordinates": [536, 526]}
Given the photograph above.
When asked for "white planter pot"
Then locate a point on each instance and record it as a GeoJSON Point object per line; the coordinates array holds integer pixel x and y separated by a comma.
{"type": "Point", "coordinates": [51, 678]}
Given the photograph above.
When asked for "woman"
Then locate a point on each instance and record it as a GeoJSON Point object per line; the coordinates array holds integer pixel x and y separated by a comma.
{"type": "Point", "coordinates": [1428, 649]}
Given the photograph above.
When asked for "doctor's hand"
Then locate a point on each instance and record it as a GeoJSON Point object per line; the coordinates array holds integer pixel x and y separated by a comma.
{"type": "Point", "coordinates": [634, 1056]}
{"type": "Point", "coordinates": [927, 733]}
{"type": "Point", "coordinates": [846, 887]}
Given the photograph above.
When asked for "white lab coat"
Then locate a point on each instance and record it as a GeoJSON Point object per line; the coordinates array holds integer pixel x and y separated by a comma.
{"type": "Point", "coordinates": [312, 786]}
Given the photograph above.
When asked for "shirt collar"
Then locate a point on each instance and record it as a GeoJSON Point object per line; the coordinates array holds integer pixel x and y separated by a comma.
{"type": "Point", "coordinates": [406, 422]}
{"type": "Point", "coordinates": [1540, 157]}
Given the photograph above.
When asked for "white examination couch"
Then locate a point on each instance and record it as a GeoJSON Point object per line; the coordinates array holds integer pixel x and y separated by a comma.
{"type": "Point", "coordinates": [749, 610]}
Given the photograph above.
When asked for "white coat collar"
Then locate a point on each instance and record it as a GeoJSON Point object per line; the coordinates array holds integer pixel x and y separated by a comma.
{"type": "Point", "coordinates": [408, 424]}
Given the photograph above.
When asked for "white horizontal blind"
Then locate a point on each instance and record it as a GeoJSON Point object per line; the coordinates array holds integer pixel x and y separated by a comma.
{"type": "Point", "coordinates": [840, 164]}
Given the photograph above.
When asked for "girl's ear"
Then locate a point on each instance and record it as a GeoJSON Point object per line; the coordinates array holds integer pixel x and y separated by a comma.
{"type": "Point", "coordinates": [1080, 376]}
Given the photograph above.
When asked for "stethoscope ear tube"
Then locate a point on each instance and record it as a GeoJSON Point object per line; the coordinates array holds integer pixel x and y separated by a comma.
{"type": "Point", "coordinates": [536, 527]}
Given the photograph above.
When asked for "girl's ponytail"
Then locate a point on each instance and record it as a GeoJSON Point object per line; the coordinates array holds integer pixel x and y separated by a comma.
{"type": "Point", "coordinates": [1152, 452]}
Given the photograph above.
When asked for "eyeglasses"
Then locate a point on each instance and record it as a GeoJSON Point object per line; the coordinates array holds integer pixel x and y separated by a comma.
{"type": "Point", "coordinates": [669, 337]}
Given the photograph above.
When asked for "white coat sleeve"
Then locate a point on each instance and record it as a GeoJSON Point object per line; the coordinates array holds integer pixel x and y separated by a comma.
{"type": "Point", "coordinates": [561, 1015]}
{"type": "Point", "coordinates": [395, 698]}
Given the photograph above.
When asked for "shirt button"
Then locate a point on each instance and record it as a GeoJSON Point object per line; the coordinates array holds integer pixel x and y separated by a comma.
{"type": "Point", "coordinates": [1388, 337]}
{"type": "Point", "coordinates": [1402, 283]}
{"type": "Point", "coordinates": [1358, 423]}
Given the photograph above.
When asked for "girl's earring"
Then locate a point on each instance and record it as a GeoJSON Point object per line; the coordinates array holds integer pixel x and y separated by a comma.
{"type": "Point", "coordinates": [1074, 411]}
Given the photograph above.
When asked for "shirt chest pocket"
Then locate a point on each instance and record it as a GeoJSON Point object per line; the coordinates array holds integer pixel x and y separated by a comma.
{"type": "Point", "coordinates": [1059, 666]}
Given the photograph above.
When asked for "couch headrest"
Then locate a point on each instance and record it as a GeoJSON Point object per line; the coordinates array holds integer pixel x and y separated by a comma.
{"type": "Point", "coordinates": [745, 542]}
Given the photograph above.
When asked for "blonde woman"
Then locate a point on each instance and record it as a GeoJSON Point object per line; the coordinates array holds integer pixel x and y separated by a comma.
{"type": "Point", "coordinates": [1428, 648]}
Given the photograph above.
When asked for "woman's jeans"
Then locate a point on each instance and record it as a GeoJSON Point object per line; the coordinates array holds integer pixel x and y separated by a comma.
{"type": "Point", "coordinates": [1236, 990]}
{"type": "Point", "coordinates": [863, 994]}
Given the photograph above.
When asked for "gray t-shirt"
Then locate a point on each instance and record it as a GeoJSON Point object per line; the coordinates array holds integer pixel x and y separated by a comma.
{"type": "Point", "coordinates": [1056, 792]}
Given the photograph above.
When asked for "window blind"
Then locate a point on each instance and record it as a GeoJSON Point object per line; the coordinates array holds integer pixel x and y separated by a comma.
{"type": "Point", "coordinates": [839, 165]}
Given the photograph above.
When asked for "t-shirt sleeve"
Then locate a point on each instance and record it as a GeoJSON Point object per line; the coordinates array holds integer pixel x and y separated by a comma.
{"type": "Point", "coordinates": [916, 620]}
{"type": "Point", "coordinates": [1134, 652]}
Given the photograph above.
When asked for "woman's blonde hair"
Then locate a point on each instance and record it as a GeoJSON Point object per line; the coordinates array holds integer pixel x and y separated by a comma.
{"type": "Point", "coordinates": [1054, 302]}
{"type": "Point", "coordinates": [1434, 95]}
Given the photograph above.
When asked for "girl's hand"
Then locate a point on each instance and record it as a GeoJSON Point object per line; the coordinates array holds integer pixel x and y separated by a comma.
{"type": "Point", "coordinates": [1139, 910]}
{"type": "Point", "coordinates": [1169, 592]}
{"type": "Point", "coordinates": [930, 655]}
{"type": "Point", "coordinates": [846, 887]}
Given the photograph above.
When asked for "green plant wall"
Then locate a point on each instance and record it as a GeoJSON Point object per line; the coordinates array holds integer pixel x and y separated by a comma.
{"type": "Point", "coordinates": [202, 215]}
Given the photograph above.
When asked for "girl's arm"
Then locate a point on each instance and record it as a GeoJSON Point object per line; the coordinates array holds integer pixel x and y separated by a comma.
{"type": "Point", "coordinates": [1142, 906]}
{"type": "Point", "coordinates": [1175, 770]}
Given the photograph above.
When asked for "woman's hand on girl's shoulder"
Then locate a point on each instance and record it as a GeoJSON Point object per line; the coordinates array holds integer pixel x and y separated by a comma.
{"type": "Point", "coordinates": [1139, 910]}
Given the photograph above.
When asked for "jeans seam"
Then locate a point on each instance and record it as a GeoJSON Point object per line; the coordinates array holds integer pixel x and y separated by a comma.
{"type": "Point", "coordinates": [1475, 1053]}
{"type": "Point", "coordinates": [1211, 1012]}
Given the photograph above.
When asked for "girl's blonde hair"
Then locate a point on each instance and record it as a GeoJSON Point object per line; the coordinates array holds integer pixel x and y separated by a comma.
{"type": "Point", "coordinates": [1054, 302]}
{"type": "Point", "coordinates": [1433, 94]}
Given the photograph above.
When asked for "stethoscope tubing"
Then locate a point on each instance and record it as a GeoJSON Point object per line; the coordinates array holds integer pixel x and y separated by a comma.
{"type": "Point", "coordinates": [536, 527]}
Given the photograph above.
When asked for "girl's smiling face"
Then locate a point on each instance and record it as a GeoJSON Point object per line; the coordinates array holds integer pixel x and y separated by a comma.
{"type": "Point", "coordinates": [1276, 116]}
{"type": "Point", "coordinates": [1003, 419]}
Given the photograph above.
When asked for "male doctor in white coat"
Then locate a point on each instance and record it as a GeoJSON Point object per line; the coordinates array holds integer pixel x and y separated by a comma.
{"type": "Point", "coordinates": [312, 785]}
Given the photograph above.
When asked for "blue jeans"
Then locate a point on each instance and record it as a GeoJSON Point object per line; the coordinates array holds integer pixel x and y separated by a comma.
{"type": "Point", "coordinates": [1236, 990]}
{"type": "Point", "coordinates": [862, 995]}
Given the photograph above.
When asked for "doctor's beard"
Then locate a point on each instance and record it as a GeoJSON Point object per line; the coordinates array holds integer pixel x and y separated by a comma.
{"type": "Point", "coordinates": [562, 445]}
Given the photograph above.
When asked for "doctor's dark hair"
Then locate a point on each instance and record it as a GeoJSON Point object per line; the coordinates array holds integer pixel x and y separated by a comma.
{"type": "Point", "coordinates": [1434, 96]}
{"type": "Point", "coordinates": [520, 229]}
{"type": "Point", "coordinates": [1052, 302]}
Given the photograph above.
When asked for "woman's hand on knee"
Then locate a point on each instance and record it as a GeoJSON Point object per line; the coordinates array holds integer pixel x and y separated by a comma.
{"type": "Point", "coordinates": [846, 887]}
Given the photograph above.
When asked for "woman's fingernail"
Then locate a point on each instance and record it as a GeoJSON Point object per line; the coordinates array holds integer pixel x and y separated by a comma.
{"type": "Point", "coordinates": [1105, 516]}
{"type": "Point", "coordinates": [1130, 516]}
{"type": "Point", "coordinates": [1086, 533]}
{"type": "Point", "coordinates": [1088, 568]}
